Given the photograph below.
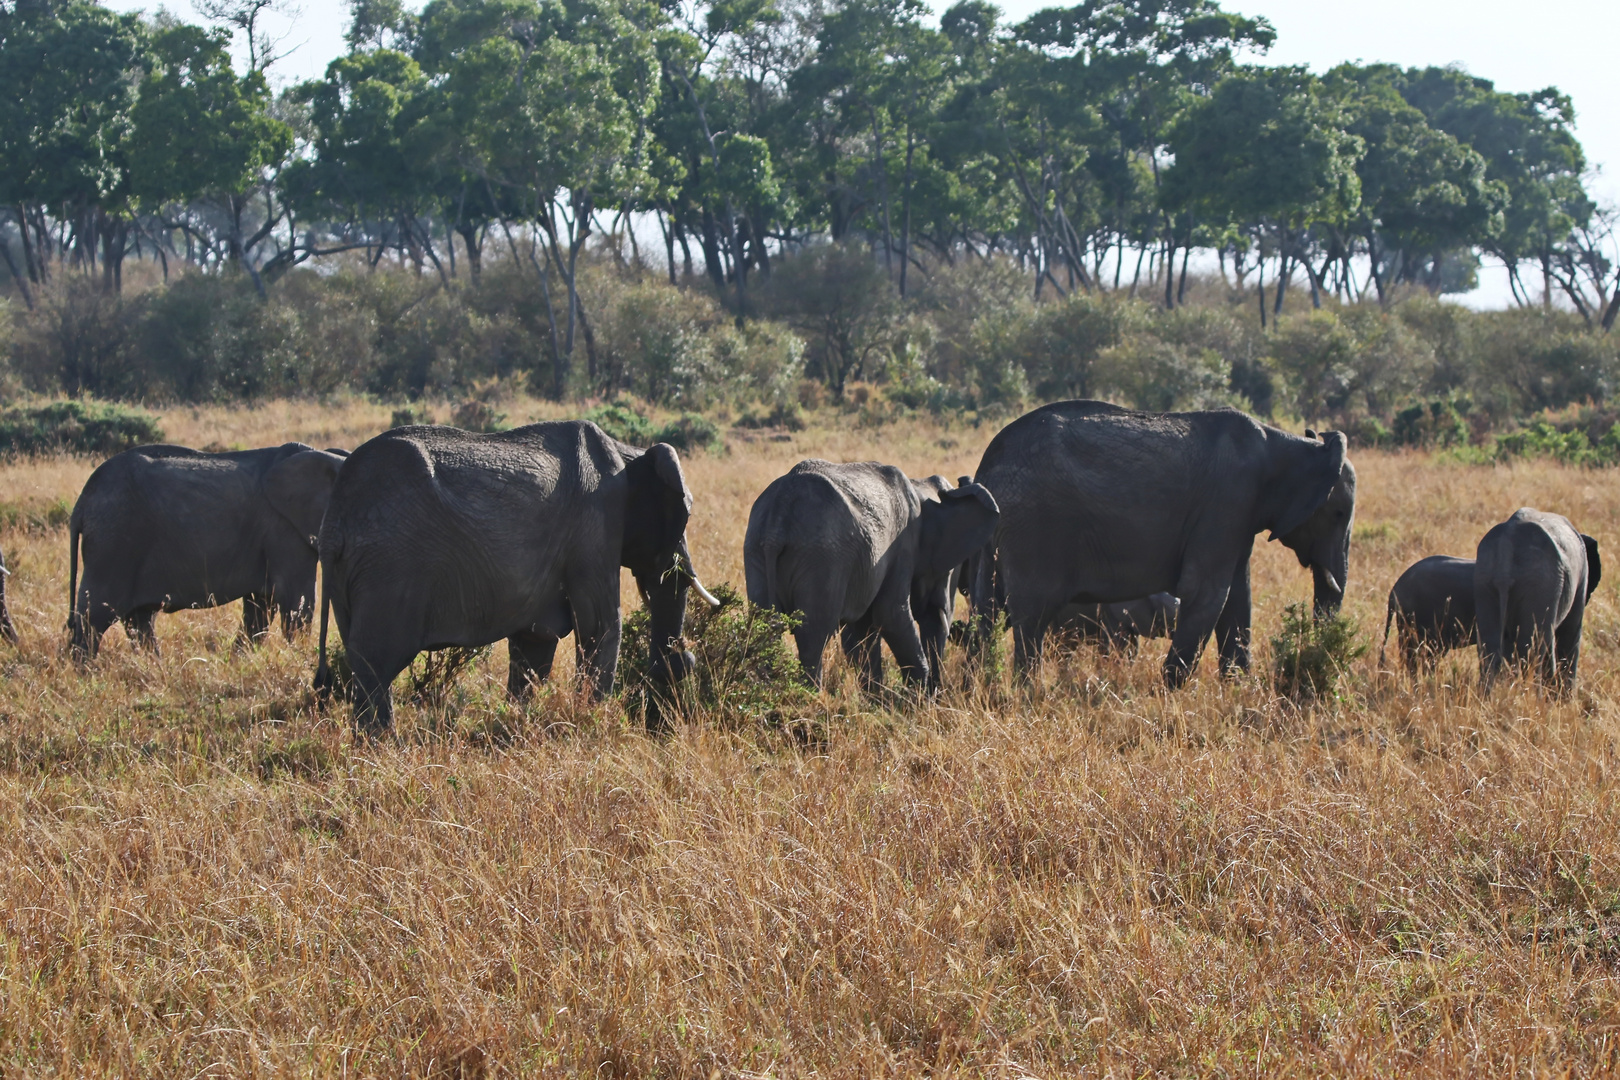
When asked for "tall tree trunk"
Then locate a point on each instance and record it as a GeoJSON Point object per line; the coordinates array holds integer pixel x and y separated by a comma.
{"type": "Point", "coordinates": [668, 229]}
{"type": "Point", "coordinates": [881, 165]}
{"type": "Point", "coordinates": [475, 251]}
{"type": "Point", "coordinates": [22, 281]}
{"type": "Point", "coordinates": [1260, 288]}
{"type": "Point", "coordinates": [710, 241]}
{"type": "Point", "coordinates": [905, 213]}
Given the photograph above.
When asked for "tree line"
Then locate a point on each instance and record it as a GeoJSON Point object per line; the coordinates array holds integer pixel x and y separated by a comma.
{"type": "Point", "coordinates": [1099, 145]}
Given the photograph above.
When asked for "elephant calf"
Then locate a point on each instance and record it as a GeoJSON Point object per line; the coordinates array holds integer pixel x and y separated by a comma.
{"type": "Point", "coordinates": [1432, 608]}
{"type": "Point", "coordinates": [1533, 574]}
{"type": "Point", "coordinates": [165, 528]}
{"type": "Point", "coordinates": [863, 548]}
{"type": "Point", "coordinates": [1121, 625]}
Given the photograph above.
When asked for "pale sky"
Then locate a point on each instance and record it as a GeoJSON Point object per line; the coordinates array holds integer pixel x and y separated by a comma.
{"type": "Point", "coordinates": [1565, 43]}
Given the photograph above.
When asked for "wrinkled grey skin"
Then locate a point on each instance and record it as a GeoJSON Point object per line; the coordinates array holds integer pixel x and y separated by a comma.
{"type": "Point", "coordinates": [1431, 606]}
{"type": "Point", "coordinates": [1101, 504]}
{"type": "Point", "coordinates": [1533, 574]}
{"type": "Point", "coordinates": [7, 631]}
{"type": "Point", "coordinates": [438, 537]}
{"type": "Point", "coordinates": [863, 548]}
{"type": "Point", "coordinates": [166, 528]}
{"type": "Point", "coordinates": [1123, 624]}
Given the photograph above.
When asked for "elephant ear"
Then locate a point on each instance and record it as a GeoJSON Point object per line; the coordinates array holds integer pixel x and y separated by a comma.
{"type": "Point", "coordinates": [1308, 483]}
{"type": "Point", "coordinates": [666, 465]}
{"type": "Point", "coordinates": [300, 486]}
{"type": "Point", "coordinates": [961, 523]}
{"type": "Point", "coordinates": [1594, 565]}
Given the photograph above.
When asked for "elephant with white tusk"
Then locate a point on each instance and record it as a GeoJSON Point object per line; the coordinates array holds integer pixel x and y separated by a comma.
{"type": "Point", "coordinates": [166, 528]}
{"type": "Point", "coordinates": [1101, 504]}
{"type": "Point", "coordinates": [438, 537]}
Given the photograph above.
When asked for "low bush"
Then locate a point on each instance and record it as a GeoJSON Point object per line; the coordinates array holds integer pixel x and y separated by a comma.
{"type": "Point", "coordinates": [747, 671]}
{"type": "Point", "coordinates": [1310, 654]}
{"type": "Point", "coordinates": [98, 429]}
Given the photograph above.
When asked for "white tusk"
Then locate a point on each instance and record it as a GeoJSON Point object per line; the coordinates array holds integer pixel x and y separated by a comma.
{"type": "Point", "coordinates": [708, 597]}
{"type": "Point", "coordinates": [4, 571]}
{"type": "Point", "coordinates": [1333, 582]}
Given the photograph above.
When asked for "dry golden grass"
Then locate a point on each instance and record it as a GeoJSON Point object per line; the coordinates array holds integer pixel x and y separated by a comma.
{"type": "Point", "coordinates": [202, 874]}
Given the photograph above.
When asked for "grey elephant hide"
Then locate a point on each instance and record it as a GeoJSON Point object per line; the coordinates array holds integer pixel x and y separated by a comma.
{"type": "Point", "coordinates": [863, 549]}
{"type": "Point", "coordinates": [165, 528]}
{"type": "Point", "coordinates": [1100, 504]}
{"type": "Point", "coordinates": [438, 537]}
{"type": "Point", "coordinates": [1533, 575]}
{"type": "Point", "coordinates": [1431, 610]}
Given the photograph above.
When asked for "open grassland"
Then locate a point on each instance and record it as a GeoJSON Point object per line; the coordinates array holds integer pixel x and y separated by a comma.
{"type": "Point", "coordinates": [204, 874]}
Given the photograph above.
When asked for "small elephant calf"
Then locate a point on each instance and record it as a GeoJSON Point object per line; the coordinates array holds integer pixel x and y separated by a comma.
{"type": "Point", "coordinates": [1432, 608]}
{"type": "Point", "coordinates": [862, 548]}
{"type": "Point", "coordinates": [1122, 625]}
{"type": "Point", "coordinates": [1533, 575]}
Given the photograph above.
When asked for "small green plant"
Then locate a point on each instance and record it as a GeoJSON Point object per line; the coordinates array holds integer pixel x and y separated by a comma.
{"type": "Point", "coordinates": [433, 674]}
{"type": "Point", "coordinates": [1310, 654]}
{"type": "Point", "coordinates": [689, 432]}
{"type": "Point", "coordinates": [410, 416]}
{"type": "Point", "coordinates": [77, 427]}
{"type": "Point", "coordinates": [747, 670]}
{"type": "Point", "coordinates": [623, 421]}
{"type": "Point", "coordinates": [479, 416]}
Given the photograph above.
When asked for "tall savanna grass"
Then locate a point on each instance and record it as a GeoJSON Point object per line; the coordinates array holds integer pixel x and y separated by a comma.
{"type": "Point", "coordinates": [1081, 875]}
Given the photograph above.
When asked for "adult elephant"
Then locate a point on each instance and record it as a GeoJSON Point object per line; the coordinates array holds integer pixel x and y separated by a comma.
{"type": "Point", "coordinates": [166, 528]}
{"type": "Point", "coordinates": [1101, 504]}
{"type": "Point", "coordinates": [438, 537]}
{"type": "Point", "coordinates": [864, 548]}
{"type": "Point", "coordinates": [1533, 575]}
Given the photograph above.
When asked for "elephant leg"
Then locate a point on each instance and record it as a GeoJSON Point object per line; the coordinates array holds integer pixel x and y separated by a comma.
{"type": "Point", "coordinates": [818, 622]}
{"type": "Point", "coordinates": [899, 629]}
{"type": "Point", "coordinates": [1233, 631]}
{"type": "Point", "coordinates": [88, 626]}
{"type": "Point", "coordinates": [255, 618]}
{"type": "Point", "coordinates": [1201, 606]}
{"type": "Point", "coordinates": [529, 658]}
{"type": "Point", "coordinates": [597, 651]}
{"type": "Point", "coordinates": [863, 647]}
{"type": "Point", "coordinates": [138, 625]}
{"type": "Point", "coordinates": [1567, 642]}
{"type": "Point", "coordinates": [296, 615]}
{"type": "Point", "coordinates": [934, 626]}
{"type": "Point", "coordinates": [1494, 640]}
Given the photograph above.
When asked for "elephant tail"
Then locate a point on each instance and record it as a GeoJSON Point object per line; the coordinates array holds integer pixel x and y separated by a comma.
{"type": "Point", "coordinates": [75, 530]}
{"type": "Point", "coordinates": [1389, 616]}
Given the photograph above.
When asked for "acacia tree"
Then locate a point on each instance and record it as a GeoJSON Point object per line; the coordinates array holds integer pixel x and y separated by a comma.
{"type": "Point", "coordinates": [231, 141]}
{"type": "Point", "coordinates": [1268, 150]}
{"type": "Point", "coordinates": [548, 104]}
{"type": "Point", "coordinates": [1423, 192]}
{"type": "Point", "coordinates": [70, 71]}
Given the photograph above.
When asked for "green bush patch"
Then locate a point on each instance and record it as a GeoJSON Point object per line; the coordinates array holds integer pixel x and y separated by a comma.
{"type": "Point", "coordinates": [76, 427]}
{"type": "Point", "coordinates": [1310, 654]}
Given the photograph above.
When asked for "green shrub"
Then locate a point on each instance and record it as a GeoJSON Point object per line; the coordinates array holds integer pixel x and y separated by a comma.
{"type": "Point", "coordinates": [747, 671]}
{"type": "Point", "coordinates": [1310, 654]}
{"type": "Point", "coordinates": [410, 416]}
{"type": "Point", "coordinates": [99, 429]}
{"type": "Point", "coordinates": [689, 432]}
{"type": "Point", "coordinates": [1432, 423]}
{"type": "Point", "coordinates": [479, 416]}
{"type": "Point", "coordinates": [623, 421]}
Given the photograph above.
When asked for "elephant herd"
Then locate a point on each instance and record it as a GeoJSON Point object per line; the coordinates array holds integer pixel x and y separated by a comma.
{"type": "Point", "coordinates": [1082, 517]}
